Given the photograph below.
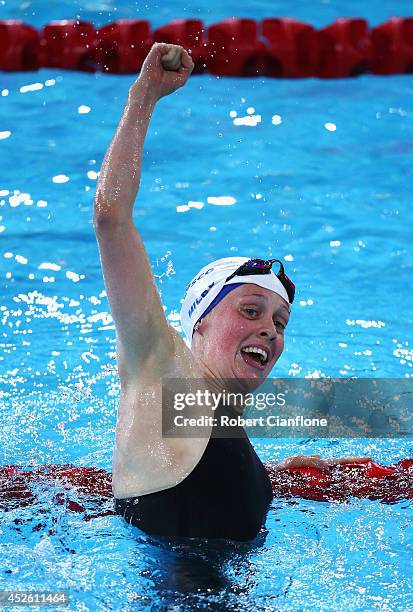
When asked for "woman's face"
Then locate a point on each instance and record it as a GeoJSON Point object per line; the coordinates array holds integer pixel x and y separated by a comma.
{"type": "Point", "coordinates": [243, 336]}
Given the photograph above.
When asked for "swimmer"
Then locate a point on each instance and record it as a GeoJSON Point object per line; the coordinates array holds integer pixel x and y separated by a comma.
{"type": "Point", "coordinates": [234, 315]}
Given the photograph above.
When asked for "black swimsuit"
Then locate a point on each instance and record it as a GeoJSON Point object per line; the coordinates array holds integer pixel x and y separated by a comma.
{"type": "Point", "coordinates": [226, 495]}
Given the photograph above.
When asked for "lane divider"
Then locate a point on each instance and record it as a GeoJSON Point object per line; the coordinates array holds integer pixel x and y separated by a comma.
{"type": "Point", "coordinates": [274, 47]}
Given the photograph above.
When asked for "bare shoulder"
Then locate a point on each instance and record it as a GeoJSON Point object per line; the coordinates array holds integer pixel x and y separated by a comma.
{"type": "Point", "coordinates": [145, 461]}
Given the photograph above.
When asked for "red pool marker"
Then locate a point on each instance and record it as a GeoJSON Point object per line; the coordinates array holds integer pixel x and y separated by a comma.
{"type": "Point", "coordinates": [366, 479]}
{"type": "Point", "coordinates": [237, 47]}
{"type": "Point", "coordinates": [345, 49]}
{"type": "Point", "coordinates": [393, 46]}
{"type": "Point", "coordinates": [363, 479]}
{"type": "Point", "coordinates": [292, 46]}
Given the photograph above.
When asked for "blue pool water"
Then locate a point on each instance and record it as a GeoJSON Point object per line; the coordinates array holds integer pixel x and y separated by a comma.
{"type": "Point", "coordinates": [317, 12]}
{"type": "Point", "coordinates": [318, 173]}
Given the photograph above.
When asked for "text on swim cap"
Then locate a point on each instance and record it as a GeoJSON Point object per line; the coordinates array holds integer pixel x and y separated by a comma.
{"type": "Point", "coordinates": [195, 280]}
{"type": "Point", "coordinates": [199, 299]}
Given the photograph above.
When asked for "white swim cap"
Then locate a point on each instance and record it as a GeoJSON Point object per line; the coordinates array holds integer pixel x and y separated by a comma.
{"type": "Point", "coordinates": [210, 280]}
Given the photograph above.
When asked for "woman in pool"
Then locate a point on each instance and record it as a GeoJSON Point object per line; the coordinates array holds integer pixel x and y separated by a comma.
{"type": "Point", "coordinates": [234, 315]}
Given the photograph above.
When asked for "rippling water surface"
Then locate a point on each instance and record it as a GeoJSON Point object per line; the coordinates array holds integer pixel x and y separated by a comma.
{"type": "Point", "coordinates": [318, 173]}
{"type": "Point", "coordinates": [317, 12]}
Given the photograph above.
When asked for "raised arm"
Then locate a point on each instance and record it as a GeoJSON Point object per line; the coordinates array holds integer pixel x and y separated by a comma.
{"type": "Point", "coordinates": [141, 327]}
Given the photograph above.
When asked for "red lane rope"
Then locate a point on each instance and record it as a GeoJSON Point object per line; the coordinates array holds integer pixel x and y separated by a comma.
{"type": "Point", "coordinates": [366, 479]}
{"type": "Point", "coordinates": [274, 47]}
{"type": "Point", "coordinates": [88, 490]}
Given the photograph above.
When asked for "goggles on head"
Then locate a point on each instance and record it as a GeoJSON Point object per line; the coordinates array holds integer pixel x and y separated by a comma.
{"type": "Point", "coordinates": [263, 266]}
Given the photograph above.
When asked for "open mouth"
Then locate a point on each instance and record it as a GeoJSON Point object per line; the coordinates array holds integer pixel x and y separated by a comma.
{"type": "Point", "coordinates": [255, 356]}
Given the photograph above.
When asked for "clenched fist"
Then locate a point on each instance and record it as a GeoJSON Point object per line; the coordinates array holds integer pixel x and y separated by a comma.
{"type": "Point", "coordinates": [165, 69]}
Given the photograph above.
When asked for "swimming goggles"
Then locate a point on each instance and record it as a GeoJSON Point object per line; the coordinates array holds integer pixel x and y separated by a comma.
{"type": "Point", "coordinates": [263, 266]}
